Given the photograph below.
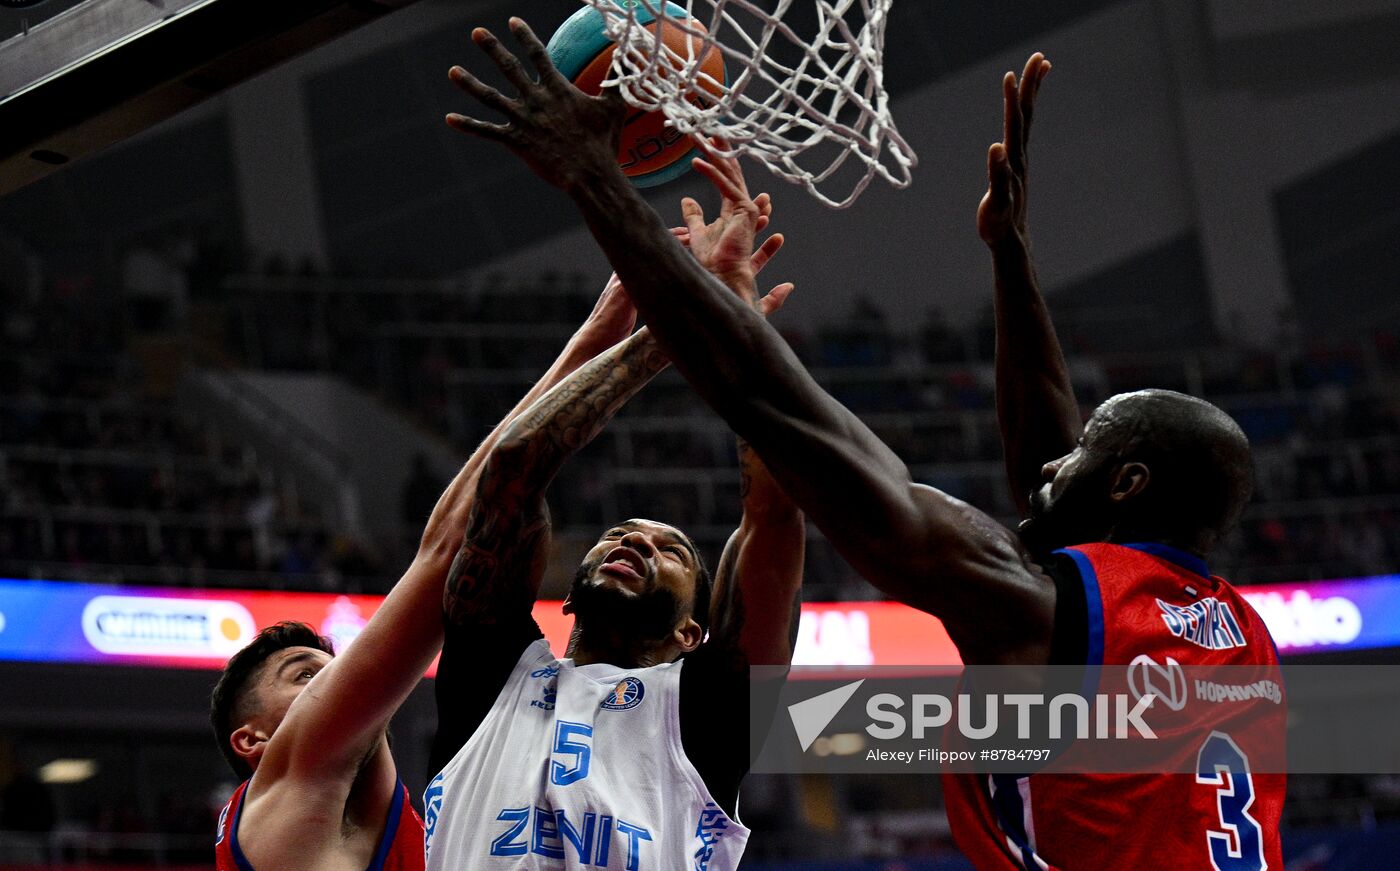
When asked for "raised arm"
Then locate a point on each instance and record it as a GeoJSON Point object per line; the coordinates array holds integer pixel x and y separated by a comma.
{"type": "Point", "coordinates": [499, 564]}
{"type": "Point", "coordinates": [330, 727]}
{"type": "Point", "coordinates": [612, 320]}
{"type": "Point", "coordinates": [500, 561]}
{"type": "Point", "coordinates": [917, 544]}
{"type": "Point", "coordinates": [758, 583]}
{"type": "Point", "coordinates": [496, 573]}
{"type": "Point", "coordinates": [1036, 410]}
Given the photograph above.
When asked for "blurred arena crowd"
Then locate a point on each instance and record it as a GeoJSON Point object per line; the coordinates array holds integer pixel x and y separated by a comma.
{"type": "Point", "coordinates": [105, 478]}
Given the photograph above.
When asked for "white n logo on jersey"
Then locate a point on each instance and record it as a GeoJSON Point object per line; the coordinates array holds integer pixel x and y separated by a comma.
{"type": "Point", "coordinates": [1208, 623]}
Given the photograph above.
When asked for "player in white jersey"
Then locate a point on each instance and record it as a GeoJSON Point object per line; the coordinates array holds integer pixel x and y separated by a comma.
{"type": "Point", "coordinates": [307, 730]}
{"type": "Point", "coordinates": [628, 752]}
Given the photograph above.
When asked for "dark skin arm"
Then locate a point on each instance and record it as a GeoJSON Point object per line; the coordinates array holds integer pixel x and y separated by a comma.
{"type": "Point", "coordinates": [758, 584]}
{"type": "Point", "coordinates": [327, 730]}
{"type": "Point", "coordinates": [1036, 409]}
{"type": "Point", "coordinates": [916, 543]}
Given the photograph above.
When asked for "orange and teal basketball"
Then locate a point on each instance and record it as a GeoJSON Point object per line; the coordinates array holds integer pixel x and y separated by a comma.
{"type": "Point", "coordinates": [650, 152]}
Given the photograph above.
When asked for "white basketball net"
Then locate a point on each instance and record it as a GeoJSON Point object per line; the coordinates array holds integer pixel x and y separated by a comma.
{"type": "Point", "coordinates": [804, 121]}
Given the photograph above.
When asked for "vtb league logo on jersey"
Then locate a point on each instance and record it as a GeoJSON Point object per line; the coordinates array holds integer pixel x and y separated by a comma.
{"type": "Point", "coordinates": [625, 696]}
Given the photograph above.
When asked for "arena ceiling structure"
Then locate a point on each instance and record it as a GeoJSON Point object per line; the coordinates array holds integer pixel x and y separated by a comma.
{"type": "Point", "coordinates": [79, 75]}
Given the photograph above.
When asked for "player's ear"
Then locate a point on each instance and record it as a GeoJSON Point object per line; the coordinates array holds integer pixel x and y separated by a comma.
{"type": "Point", "coordinates": [249, 743]}
{"type": "Point", "coordinates": [1129, 481]}
{"type": "Point", "coordinates": [568, 607]}
{"type": "Point", "coordinates": [688, 635]}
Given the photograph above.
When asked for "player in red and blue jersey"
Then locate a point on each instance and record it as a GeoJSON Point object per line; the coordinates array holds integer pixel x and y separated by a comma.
{"type": "Point", "coordinates": [1153, 601]}
{"type": "Point", "coordinates": [1140, 592]}
{"type": "Point", "coordinates": [395, 845]}
{"type": "Point", "coordinates": [1115, 520]}
{"type": "Point", "coordinates": [308, 730]}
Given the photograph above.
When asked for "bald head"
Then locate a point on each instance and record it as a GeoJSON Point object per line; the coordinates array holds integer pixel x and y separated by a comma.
{"type": "Point", "coordinates": [1197, 456]}
{"type": "Point", "coordinates": [1154, 465]}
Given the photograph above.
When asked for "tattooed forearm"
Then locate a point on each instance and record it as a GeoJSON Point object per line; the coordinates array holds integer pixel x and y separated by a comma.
{"type": "Point", "coordinates": [746, 461]}
{"type": "Point", "coordinates": [757, 597]}
{"type": "Point", "coordinates": [575, 411]}
{"type": "Point", "coordinates": [497, 568]}
{"type": "Point", "coordinates": [507, 530]}
{"type": "Point", "coordinates": [482, 589]}
{"type": "Point", "coordinates": [759, 492]}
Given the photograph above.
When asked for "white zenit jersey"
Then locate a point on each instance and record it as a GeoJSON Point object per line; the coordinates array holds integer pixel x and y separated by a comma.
{"type": "Point", "coordinates": [579, 767]}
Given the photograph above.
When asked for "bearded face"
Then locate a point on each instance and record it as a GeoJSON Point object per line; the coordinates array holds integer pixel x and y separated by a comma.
{"type": "Point", "coordinates": [639, 579]}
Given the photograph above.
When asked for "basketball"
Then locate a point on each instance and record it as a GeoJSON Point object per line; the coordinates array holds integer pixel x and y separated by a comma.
{"type": "Point", "coordinates": [650, 152]}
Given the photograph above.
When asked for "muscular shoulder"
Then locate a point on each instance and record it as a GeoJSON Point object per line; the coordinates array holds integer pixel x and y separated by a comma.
{"type": "Point", "coordinates": [1003, 611]}
{"type": "Point", "coordinates": [964, 567]}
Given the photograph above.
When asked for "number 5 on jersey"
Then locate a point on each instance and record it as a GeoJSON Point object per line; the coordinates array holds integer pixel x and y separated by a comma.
{"type": "Point", "coordinates": [571, 743]}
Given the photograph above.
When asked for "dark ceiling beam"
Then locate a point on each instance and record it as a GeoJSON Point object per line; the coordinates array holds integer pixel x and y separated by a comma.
{"type": "Point", "coordinates": [187, 59]}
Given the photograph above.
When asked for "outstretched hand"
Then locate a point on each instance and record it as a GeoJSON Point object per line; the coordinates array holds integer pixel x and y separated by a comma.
{"type": "Point", "coordinates": [1002, 213]}
{"type": "Point", "coordinates": [563, 134]}
{"type": "Point", "coordinates": [776, 296]}
{"type": "Point", "coordinates": [613, 318]}
{"type": "Point", "coordinates": [725, 246]}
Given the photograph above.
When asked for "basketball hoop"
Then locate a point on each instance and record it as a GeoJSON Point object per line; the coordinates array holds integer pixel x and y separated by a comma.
{"type": "Point", "coordinates": [813, 108]}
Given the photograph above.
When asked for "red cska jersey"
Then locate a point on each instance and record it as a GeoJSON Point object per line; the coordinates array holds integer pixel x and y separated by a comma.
{"type": "Point", "coordinates": [400, 847]}
{"type": "Point", "coordinates": [1143, 600]}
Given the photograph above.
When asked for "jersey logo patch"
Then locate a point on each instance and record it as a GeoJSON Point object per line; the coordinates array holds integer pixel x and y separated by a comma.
{"type": "Point", "coordinates": [432, 809]}
{"type": "Point", "coordinates": [1208, 623]}
{"type": "Point", "coordinates": [625, 696]}
{"type": "Point", "coordinates": [223, 823]}
{"type": "Point", "coordinates": [549, 693]}
{"type": "Point", "coordinates": [711, 827]}
{"type": "Point", "coordinates": [1146, 676]}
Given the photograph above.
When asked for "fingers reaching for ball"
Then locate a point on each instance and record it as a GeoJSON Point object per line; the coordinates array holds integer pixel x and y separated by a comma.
{"type": "Point", "coordinates": [775, 298]}
{"type": "Point", "coordinates": [765, 252]}
{"type": "Point", "coordinates": [733, 189]}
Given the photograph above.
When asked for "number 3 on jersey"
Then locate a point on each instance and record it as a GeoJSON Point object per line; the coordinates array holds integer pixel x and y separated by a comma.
{"type": "Point", "coordinates": [577, 752]}
{"type": "Point", "coordinates": [1223, 765]}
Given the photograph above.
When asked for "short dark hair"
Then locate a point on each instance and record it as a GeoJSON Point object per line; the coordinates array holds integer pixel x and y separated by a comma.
{"type": "Point", "coordinates": [228, 705]}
